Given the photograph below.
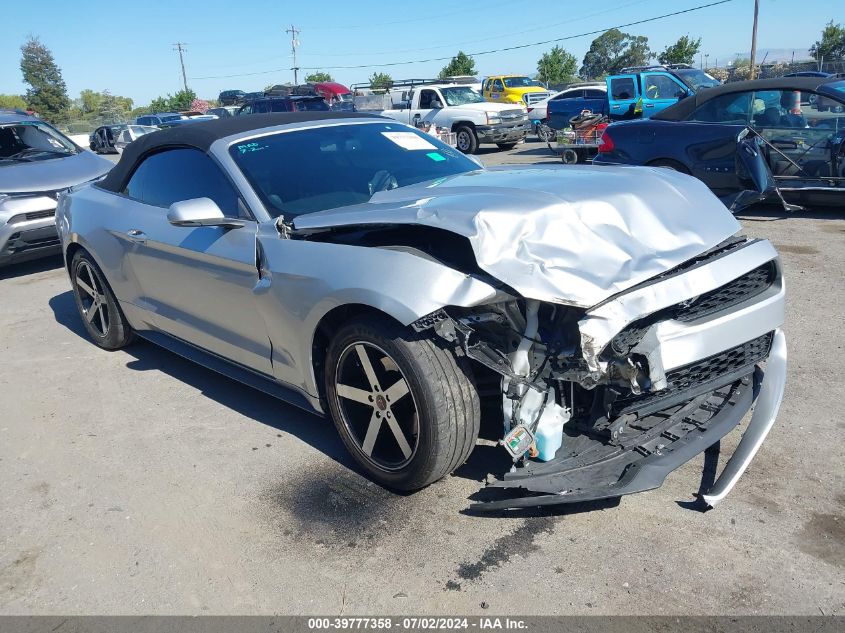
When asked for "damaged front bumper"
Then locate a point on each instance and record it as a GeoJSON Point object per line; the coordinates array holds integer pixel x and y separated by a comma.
{"type": "Point", "coordinates": [678, 434]}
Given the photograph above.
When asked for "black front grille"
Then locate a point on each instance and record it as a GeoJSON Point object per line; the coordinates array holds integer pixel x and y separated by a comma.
{"type": "Point", "coordinates": [703, 375]}
{"type": "Point", "coordinates": [741, 289]}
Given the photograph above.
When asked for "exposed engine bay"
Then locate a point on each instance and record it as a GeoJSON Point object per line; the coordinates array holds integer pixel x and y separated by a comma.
{"type": "Point", "coordinates": [578, 421]}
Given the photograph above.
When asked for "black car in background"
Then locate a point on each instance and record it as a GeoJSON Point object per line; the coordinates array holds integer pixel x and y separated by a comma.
{"type": "Point", "coordinates": [800, 121]}
{"type": "Point", "coordinates": [283, 104]}
{"type": "Point", "coordinates": [231, 97]}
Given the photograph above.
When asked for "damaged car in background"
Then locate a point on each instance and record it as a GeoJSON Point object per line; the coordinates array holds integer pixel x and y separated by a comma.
{"type": "Point", "coordinates": [614, 320]}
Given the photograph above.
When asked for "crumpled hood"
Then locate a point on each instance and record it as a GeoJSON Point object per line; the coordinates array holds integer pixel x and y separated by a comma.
{"type": "Point", "coordinates": [52, 174]}
{"type": "Point", "coordinates": [574, 235]}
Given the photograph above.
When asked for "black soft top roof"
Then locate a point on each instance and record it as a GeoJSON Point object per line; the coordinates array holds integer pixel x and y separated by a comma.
{"type": "Point", "coordinates": [681, 110]}
{"type": "Point", "coordinates": [202, 134]}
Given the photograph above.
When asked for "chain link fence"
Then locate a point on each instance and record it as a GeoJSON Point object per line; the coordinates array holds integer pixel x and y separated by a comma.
{"type": "Point", "coordinates": [741, 72]}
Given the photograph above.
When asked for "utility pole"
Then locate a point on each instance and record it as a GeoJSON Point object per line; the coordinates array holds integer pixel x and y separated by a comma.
{"type": "Point", "coordinates": [293, 44]}
{"type": "Point", "coordinates": [754, 39]}
{"type": "Point", "coordinates": [180, 46]}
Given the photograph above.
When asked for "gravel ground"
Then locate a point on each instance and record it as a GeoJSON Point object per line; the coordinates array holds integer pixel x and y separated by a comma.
{"type": "Point", "coordinates": [135, 482]}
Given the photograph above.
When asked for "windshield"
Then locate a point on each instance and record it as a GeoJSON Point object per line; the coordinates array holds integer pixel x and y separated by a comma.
{"type": "Point", "coordinates": [32, 140]}
{"type": "Point", "coordinates": [341, 165]}
{"type": "Point", "coordinates": [697, 79]}
{"type": "Point", "coordinates": [344, 96]}
{"type": "Point", "coordinates": [170, 117]}
{"type": "Point", "coordinates": [519, 82]}
{"type": "Point", "coordinates": [461, 96]}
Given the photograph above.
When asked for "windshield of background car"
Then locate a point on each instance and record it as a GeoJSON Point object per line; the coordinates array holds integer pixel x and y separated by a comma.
{"type": "Point", "coordinates": [339, 165]}
{"type": "Point", "coordinates": [170, 117]}
{"type": "Point", "coordinates": [32, 140]}
{"type": "Point", "coordinates": [697, 79]}
{"type": "Point", "coordinates": [140, 130]}
{"type": "Point", "coordinates": [344, 96]}
{"type": "Point", "coordinates": [461, 96]}
{"type": "Point", "coordinates": [519, 82]}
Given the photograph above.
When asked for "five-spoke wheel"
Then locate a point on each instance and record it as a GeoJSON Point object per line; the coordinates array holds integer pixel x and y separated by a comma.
{"type": "Point", "coordinates": [97, 304]}
{"type": "Point", "coordinates": [405, 406]}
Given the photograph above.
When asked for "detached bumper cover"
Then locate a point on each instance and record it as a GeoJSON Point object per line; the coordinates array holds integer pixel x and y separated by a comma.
{"type": "Point", "coordinates": [673, 437]}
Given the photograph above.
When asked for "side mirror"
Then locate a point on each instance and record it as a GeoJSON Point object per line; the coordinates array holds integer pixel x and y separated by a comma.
{"type": "Point", "coordinates": [200, 212]}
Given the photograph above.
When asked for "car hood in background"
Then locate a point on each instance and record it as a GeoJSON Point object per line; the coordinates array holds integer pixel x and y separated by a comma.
{"type": "Point", "coordinates": [52, 174]}
{"type": "Point", "coordinates": [574, 236]}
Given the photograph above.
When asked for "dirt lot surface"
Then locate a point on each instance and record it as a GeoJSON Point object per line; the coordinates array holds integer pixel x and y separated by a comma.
{"type": "Point", "coordinates": [135, 482]}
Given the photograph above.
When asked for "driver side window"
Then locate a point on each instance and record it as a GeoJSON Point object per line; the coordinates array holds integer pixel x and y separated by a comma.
{"type": "Point", "coordinates": [426, 97]}
{"type": "Point", "coordinates": [182, 174]}
{"type": "Point", "coordinates": [729, 108]}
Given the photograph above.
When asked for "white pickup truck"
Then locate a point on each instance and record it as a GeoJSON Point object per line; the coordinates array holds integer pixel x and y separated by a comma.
{"type": "Point", "coordinates": [464, 111]}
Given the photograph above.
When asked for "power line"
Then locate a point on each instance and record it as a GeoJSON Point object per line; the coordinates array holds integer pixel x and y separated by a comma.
{"type": "Point", "coordinates": [180, 46]}
{"type": "Point", "coordinates": [479, 53]}
{"type": "Point", "coordinates": [365, 25]}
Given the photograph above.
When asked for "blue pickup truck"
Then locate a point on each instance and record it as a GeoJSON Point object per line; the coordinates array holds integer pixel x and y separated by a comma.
{"type": "Point", "coordinates": [634, 93]}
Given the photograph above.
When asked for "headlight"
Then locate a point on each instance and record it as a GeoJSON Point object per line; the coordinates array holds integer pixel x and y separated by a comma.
{"type": "Point", "coordinates": [492, 119]}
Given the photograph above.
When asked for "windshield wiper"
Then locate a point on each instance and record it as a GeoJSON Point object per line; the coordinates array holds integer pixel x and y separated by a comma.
{"type": "Point", "coordinates": [22, 155]}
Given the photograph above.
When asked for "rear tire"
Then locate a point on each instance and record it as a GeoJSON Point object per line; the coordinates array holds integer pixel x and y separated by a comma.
{"type": "Point", "coordinates": [467, 139]}
{"type": "Point", "coordinates": [97, 305]}
{"type": "Point", "coordinates": [383, 380]}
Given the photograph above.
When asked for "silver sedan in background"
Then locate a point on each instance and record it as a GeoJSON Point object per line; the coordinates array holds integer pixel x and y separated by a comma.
{"type": "Point", "coordinates": [359, 268]}
{"type": "Point", "coordinates": [37, 162]}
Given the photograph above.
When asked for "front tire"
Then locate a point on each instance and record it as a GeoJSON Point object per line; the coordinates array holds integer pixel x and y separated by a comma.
{"type": "Point", "coordinates": [406, 408]}
{"type": "Point", "coordinates": [467, 139]}
{"type": "Point", "coordinates": [97, 305]}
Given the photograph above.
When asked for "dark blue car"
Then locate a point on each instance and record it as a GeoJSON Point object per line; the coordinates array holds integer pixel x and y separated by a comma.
{"type": "Point", "coordinates": [800, 121]}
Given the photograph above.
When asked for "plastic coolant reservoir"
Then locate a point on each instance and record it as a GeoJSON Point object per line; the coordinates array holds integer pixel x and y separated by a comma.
{"type": "Point", "coordinates": [549, 434]}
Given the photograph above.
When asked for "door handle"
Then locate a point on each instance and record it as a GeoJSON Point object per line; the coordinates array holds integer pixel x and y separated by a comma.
{"type": "Point", "coordinates": [649, 105]}
{"type": "Point", "coordinates": [136, 235]}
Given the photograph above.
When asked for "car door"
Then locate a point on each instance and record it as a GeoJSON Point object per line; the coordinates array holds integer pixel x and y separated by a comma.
{"type": "Point", "coordinates": [709, 138]}
{"type": "Point", "coordinates": [497, 90]}
{"type": "Point", "coordinates": [800, 134]}
{"type": "Point", "coordinates": [197, 282]}
{"type": "Point", "coordinates": [660, 90]}
{"type": "Point", "coordinates": [623, 94]}
{"type": "Point", "coordinates": [425, 111]}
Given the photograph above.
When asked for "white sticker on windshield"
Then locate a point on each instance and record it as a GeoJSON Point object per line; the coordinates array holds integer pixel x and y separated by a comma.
{"type": "Point", "coordinates": [409, 140]}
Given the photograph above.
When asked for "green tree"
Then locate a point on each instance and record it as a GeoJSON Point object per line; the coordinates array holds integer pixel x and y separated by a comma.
{"type": "Point", "coordinates": [612, 51]}
{"type": "Point", "coordinates": [557, 67]}
{"type": "Point", "coordinates": [461, 64]}
{"type": "Point", "coordinates": [12, 102]}
{"type": "Point", "coordinates": [681, 52]}
{"type": "Point", "coordinates": [318, 77]}
{"type": "Point", "coordinates": [47, 92]}
{"type": "Point", "coordinates": [112, 109]}
{"type": "Point", "coordinates": [381, 81]}
{"type": "Point", "coordinates": [832, 44]}
{"type": "Point", "coordinates": [181, 100]}
{"type": "Point", "coordinates": [159, 104]}
{"type": "Point", "coordinates": [89, 101]}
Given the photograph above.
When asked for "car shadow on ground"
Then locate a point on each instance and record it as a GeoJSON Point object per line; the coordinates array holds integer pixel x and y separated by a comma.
{"type": "Point", "coordinates": [247, 401]}
{"type": "Point", "coordinates": [23, 269]}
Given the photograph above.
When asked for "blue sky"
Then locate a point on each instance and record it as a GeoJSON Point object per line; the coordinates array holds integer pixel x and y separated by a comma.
{"type": "Point", "coordinates": [127, 47]}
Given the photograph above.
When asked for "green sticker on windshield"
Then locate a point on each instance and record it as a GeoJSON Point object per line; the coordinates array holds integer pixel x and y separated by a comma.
{"type": "Point", "coordinates": [436, 156]}
{"type": "Point", "coordinates": [243, 148]}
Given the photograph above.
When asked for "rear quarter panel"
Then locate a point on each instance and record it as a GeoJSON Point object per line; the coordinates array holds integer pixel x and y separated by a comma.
{"type": "Point", "coordinates": [706, 150]}
{"type": "Point", "coordinates": [97, 221]}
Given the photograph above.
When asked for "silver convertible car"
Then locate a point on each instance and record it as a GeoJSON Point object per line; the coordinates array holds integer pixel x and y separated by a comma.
{"type": "Point", "coordinates": [349, 264]}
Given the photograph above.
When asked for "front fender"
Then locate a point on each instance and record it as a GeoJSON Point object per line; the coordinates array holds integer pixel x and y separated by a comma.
{"type": "Point", "coordinates": [305, 280]}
